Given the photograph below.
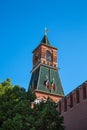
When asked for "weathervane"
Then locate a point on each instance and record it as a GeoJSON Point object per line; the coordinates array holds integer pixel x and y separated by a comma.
{"type": "Point", "coordinates": [46, 31]}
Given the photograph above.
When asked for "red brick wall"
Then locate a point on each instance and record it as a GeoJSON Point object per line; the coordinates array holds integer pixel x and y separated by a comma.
{"type": "Point", "coordinates": [45, 95]}
{"type": "Point", "coordinates": [75, 117]}
{"type": "Point", "coordinates": [41, 52]}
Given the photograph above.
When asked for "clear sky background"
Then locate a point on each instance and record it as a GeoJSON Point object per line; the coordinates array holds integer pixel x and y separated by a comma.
{"type": "Point", "coordinates": [22, 24]}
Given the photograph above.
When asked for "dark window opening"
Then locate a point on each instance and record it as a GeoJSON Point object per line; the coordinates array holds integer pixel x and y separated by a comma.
{"type": "Point", "coordinates": [65, 104]}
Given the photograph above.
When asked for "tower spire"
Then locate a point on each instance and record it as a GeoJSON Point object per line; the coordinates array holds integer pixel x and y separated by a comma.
{"type": "Point", "coordinates": [45, 80]}
{"type": "Point", "coordinates": [45, 39]}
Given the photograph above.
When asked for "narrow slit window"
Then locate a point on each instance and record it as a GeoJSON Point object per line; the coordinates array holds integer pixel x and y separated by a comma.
{"type": "Point", "coordinates": [65, 104]}
{"type": "Point", "coordinates": [60, 107]}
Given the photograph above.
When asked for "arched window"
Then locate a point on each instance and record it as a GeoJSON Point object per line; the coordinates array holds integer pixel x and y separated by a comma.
{"type": "Point", "coordinates": [48, 56]}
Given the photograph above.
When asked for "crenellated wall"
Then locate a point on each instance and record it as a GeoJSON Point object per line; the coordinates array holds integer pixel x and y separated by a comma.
{"type": "Point", "coordinates": [74, 108]}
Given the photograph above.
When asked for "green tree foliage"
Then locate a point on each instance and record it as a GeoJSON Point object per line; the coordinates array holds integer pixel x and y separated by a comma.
{"type": "Point", "coordinates": [16, 112]}
{"type": "Point", "coordinates": [47, 116]}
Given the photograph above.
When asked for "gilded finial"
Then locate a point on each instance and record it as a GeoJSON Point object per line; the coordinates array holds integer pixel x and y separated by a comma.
{"type": "Point", "coordinates": [46, 31]}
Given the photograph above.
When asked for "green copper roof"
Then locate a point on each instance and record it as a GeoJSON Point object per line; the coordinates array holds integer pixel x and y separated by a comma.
{"type": "Point", "coordinates": [45, 40]}
{"type": "Point", "coordinates": [44, 75]}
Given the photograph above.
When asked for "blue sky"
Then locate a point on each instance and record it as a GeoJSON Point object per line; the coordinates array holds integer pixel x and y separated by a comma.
{"type": "Point", "coordinates": [22, 24]}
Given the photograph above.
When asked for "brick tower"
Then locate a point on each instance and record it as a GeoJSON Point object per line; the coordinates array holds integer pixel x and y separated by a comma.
{"type": "Point", "coordinates": [45, 81]}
